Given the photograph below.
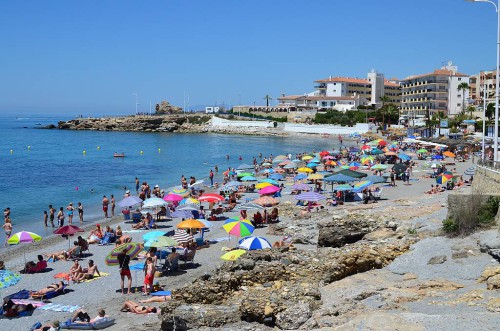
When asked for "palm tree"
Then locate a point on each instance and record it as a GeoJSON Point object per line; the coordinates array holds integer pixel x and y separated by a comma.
{"type": "Point", "coordinates": [490, 111]}
{"type": "Point", "coordinates": [267, 97]}
{"type": "Point", "coordinates": [471, 109]}
{"type": "Point", "coordinates": [391, 111]}
{"type": "Point", "coordinates": [463, 87]}
{"type": "Point", "coordinates": [384, 99]}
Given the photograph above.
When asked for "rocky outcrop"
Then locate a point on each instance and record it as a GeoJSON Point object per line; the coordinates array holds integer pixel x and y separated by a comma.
{"type": "Point", "coordinates": [342, 230]}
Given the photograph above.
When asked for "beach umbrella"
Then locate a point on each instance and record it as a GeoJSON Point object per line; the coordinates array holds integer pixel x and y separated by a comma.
{"type": "Point", "coordinates": [422, 151]}
{"type": "Point", "coordinates": [270, 181]}
{"type": "Point", "coordinates": [129, 201]}
{"type": "Point", "coordinates": [300, 177]}
{"type": "Point", "coordinates": [354, 164]}
{"type": "Point", "coordinates": [304, 169]}
{"type": "Point", "coordinates": [404, 157]}
{"type": "Point", "coordinates": [310, 196]}
{"type": "Point", "coordinates": [197, 183]}
{"type": "Point", "coordinates": [351, 173]}
{"type": "Point", "coordinates": [180, 191]}
{"type": "Point", "coordinates": [358, 187]}
{"type": "Point", "coordinates": [470, 171]}
{"type": "Point", "coordinates": [8, 278]}
{"type": "Point", "coordinates": [266, 201]}
{"type": "Point", "coordinates": [399, 168]}
{"type": "Point", "coordinates": [379, 167]}
{"type": "Point", "coordinates": [449, 154]}
{"type": "Point", "coordinates": [343, 187]}
{"type": "Point", "coordinates": [23, 237]}
{"type": "Point", "coordinates": [189, 200]}
{"type": "Point", "coordinates": [437, 157]}
{"type": "Point", "coordinates": [376, 151]}
{"type": "Point", "coordinates": [152, 234]}
{"type": "Point", "coordinates": [244, 167]}
{"type": "Point", "coordinates": [443, 178]}
{"type": "Point", "coordinates": [249, 206]}
{"type": "Point", "coordinates": [307, 157]}
{"type": "Point", "coordinates": [239, 227]}
{"type": "Point", "coordinates": [266, 164]}
{"type": "Point", "coordinates": [182, 236]}
{"type": "Point", "coordinates": [280, 158]}
{"type": "Point", "coordinates": [328, 157]}
{"type": "Point", "coordinates": [172, 197]}
{"type": "Point", "coordinates": [132, 250]}
{"type": "Point", "coordinates": [160, 241]}
{"type": "Point", "coordinates": [248, 179]}
{"type": "Point", "coordinates": [182, 213]}
{"type": "Point", "coordinates": [276, 176]}
{"type": "Point", "coordinates": [232, 183]}
{"type": "Point", "coordinates": [339, 178]}
{"type": "Point", "coordinates": [153, 202]}
{"type": "Point", "coordinates": [436, 165]}
{"type": "Point", "coordinates": [390, 153]}
{"type": "Point", "coordinates": [68, 230]}
{"type": "Point", "coordinates": [269, 190]}
{"type": "Point", "coordinates": [244, 174]}
{"type": "Point", "coordinates": [290, 166]}
{"type": "Point", "coordinates": [376, 179]}
{"type": "Point", "coordinates": [187, 207]}
{"type": "Point", "coordinates": [190, 224]}
{"type": "Point", "coordinates": [269, 171]}
{"type": "Point", "coordinates": [253, 243]}
{"type": "Point", "coordinates": [262, 185]}
{"type": "Point", "coordinates": [233, 255]}
{"type": "Point", "coordinates": [279, 171]}
{"type": "Point", "coordinates": [315, 176]}
{"type": "Point", "coordinates": [211, 197]}
{"type": "Point", "coordinates": [207, 223]}
{"type": "Point", "coordinates": [301, 187]}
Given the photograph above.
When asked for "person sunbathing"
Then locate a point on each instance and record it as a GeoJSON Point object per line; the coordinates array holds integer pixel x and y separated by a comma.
{"type": "Point", "coordinates": [285, 242]}
{"type": "Point", "coordinates": [55, 325]}
{"type": "Point", "coordinates": [82, 317]}
{"type": "Point", "coordinates": [123, 239]}
{"type": "Point", "coordinates": [88, 273]}
{"type": "Point", "coordinates": [31, 267]}
{"type": "Point", "coordinates": [56, 256]}
{"type": "Point", "coordinates": [131, 306]}
{"type": "Point", "coordinates": [50, 288]}
{"type": "Point", "coordinates": [12, 310]}
{"type": "Point", "coordinates": [157, 298]}
{"type": "Point", "coordinates": [142, 224]}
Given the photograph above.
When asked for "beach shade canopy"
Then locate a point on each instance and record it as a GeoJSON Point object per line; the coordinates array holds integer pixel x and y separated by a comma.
{"type": "Point", "coordinates": [8, 278]}
{"type": "Point", "coordinates": [301, 187]}
{"type": "Point", "coordinates": [172, 197]}
{"type": "Point", "coordinates": [249, 206]}
{"type": "Point", "coordinates": [253, 243]}
{"type": "Point", "coordinates": [152, 234]}
{"type": "Point", "coordinates": [269, 190]}
{"type": "Point", "coordinates": [132, 250]}
{"type": "Point", "coordinates": [376, 179]}
{"type": "Point", "coordinates": [232, 183]}
{"type": "Point", "coordinates": [443, 178]}
{"type": "Point", "coordinates": [449, 154]}
{"type": "Point", "coordinates": [211, 197]}
{"type": "Point", "coordinates": [248, 179]}
{"type": "Point", "coordinates": [161, 241]}
{"type": "Point", "coordinates": [340, 178]}
{"type": "Point", "coordinates": [305, 169]}
{"type": "Point", "coordinates": [191, 224]}
{"type": "Point", "coordinates": [129, 201]}
{"type": "Point", "coordinates": [182, 236]}
{"type": "Point", "coordinates": [188, 206]}
{"type": "Point", "coordinates": [245, 167]}
{"type": "Point", "coordinates": [352, 173]}
{"type": "Point", "coordinates": [23, 237]}
{"type": "Point", "coordinates": [379, 167]}
{"type": "Point", "coordinates": [399, 168]}
{"type": "Point", "coordinates": [68, 230]}
{"type": "Point", "coordinates": [312, 164]}
{"type": "Point", "coordinates": [310, 196]}
{"type": "Point", "coordinates": [239, 227]}
{"type": "Point", "coordinates": [183, 213]}
{"type": "Point", "coordinates": [233, 255]}
{"type": "Point", "coordinates": [243, 174]}
{"type": "Point", "coordinates": [266, 201]}
{"type": "Point", "coordinates": [300, 177]}
{"type": "Point", "coordinates": [343, 187]}
{"type": "Point", "coordinates": [360, 186]}
{"type": "Point", "coordinates": [470, 171]}
{"type": "Point", "coordinates": [315, 176]}
{"type": "Point", "coordinates": [153, 202]}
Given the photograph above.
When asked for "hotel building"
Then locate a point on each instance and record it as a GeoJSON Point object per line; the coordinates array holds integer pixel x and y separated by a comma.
{"type": "Point", "coordinates": [477, 83]}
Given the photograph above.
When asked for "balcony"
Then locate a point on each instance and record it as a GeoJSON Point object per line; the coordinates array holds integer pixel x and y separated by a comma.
{"type": "Point", "coordinates": [320, 87]}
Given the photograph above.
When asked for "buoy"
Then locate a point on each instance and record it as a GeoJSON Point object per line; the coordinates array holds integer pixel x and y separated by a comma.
{"type": "Point", "coordinates": [77, 188]}
{"type": "Point", "coordinates": [84, 152]}
{"type": "Point", "coordinates": [11, 151]}
{"type": "Point", "coordinates": [142, 152]}
{"type": "Point", "coordinates": [29, 147]}
{"type": "Point", "coordinates": [98, 148]}
{"type": "Point", "coordinates": [159, 150]}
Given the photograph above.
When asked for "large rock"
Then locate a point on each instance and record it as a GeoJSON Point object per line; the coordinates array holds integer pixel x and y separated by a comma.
{"type": "Point", "coordinates": [187, 317]}
{"type": "Point", "coordinates": [293, 317]}
{"type": "Point", "coordinates": [341, 231]}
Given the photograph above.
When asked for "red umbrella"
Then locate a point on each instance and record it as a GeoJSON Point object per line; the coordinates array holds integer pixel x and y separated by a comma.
{"type": "Point", "coordinates": [211, 197]}
{"type": "Point", "coordinates": [323, 153]}
{"type": "Point", "coordinates": [68, 230]}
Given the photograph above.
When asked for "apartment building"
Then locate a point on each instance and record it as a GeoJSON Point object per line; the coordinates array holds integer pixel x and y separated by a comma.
{"type": "Point", "coordinates": [434, 92]}
{"type": "Point", "coordinates": [477, 86]}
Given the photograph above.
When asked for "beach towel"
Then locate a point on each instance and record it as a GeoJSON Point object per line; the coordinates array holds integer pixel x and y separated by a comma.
{"type": "Point", "coordinates": [100, 324]}
{"type": "Point", "coordinates": [162, 293]}
{"type": "Point", "coordinates": [103, 274]}
{"type": "Point", "coordinates": [23, 294]}
{"type": "Point", "coordinates": [133, 231]}
{"type": "Point", "coordinates": [62, 275]}
{"type": "Point", "coordinates": [59, 307]}
{"type": "Point", "coordinates": [27, 301]}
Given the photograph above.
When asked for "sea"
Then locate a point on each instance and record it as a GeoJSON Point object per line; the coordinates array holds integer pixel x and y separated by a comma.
{"type": "Point", "coordinates": [39, 167]}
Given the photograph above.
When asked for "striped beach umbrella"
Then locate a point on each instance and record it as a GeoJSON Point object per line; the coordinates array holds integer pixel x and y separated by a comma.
{"type": "Point", "coordinates": [233, 255]}
{"type": "Point", "coordinates": [180, 191]}
{"type": "Point", "coordinates": [211, 197]}
{"type": "Point", "coordinates": [301, 187]}
{"type": "Point", "coordinates": [470, 171]}
{"type": "Point", "coordinates": [266, 201]}
{"type": "Point", "coordinates": [358, 187]}
{"type": "Point", "coordinates": [239, 227]}
{"type": "Point", "coordinates": [189, 200]}
{"type": "Point", "coordinates": [23, 237]}
{"type": "Point", "coordinates": [310, 196]}
{"type": "Point", "coordinates": [132, 250]}
{"type": "Point", "coordinates": [182, 236]}
{"type": "Point", "coordinates": [443, 178]}
{"type": "Point", "coordinates": [253, 243]}
{"type": "Point", "coordinates": [249, 206]}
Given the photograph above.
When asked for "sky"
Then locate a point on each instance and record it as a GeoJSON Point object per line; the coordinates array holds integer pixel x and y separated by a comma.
{"type": "Point", "coordinates": [90, 57]}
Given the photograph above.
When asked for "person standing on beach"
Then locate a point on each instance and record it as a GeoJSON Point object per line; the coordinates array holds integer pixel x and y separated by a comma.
{"type": "Point", "coordinates": [45, 218]}
{"type": "Point", "coordinates": [52, 214]}
{"type": "Point", "coordinates": [105, 203]}
{"type": "Point", "coordinates": [211, 176]}
{"type": "Point", "coordinates": [80, 212]}
{"type": "Point", "coordinates": [149, 274]}
{"type": "Point", "coordinates": [216, 169]}
{"type": "Point", "coordinates": [123, 262]}
{"type": "Point", "coordinates": [60, 217]}
{"type": "Point", "coordinates": [113, 205]}
{"type": "Point", "coordinates": [393, 178]}
{"type": "Point", "coordinates": [7, 227]}
{"type": "Point", "coordinates": [136, 185]}
{"type": "Point", "coordinates": [6, 213]}
{"type": "Point", "coordinates": [70, 210]}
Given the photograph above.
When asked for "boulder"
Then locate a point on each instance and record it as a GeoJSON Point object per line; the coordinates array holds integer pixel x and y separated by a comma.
{"type": "Point", "coordinates": [439, 259]}
{"type": "Point", "coordinates": [293, 317]}
{"type": "Point", "coordinates": [489, 272]}
{"type": "Point", "coordinates": [341, 231]}
{"type": "Point", "coordinates": [493, 283]}
{"type": "Point", "coordinates": [187, 317]}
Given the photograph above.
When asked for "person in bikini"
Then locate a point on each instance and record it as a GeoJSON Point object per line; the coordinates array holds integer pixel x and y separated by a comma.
{"type": "Point", "coordinates": [50, 288]}
{"type": "Point", "coordinates": [88, 273]}
{"type": "Point", "coordinates": [157, 298]}
{"type": "Point", "coordinates": [75, 270]}
{"type": "Point", "coordinates": [131, 306]}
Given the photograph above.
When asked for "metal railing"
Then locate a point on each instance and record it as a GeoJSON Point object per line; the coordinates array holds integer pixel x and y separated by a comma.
{"type": "Point", "coordinates": [489, 164]}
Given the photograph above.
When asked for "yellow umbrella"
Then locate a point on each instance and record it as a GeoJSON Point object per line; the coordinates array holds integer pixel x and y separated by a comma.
{"type": "Point", "coordinates": [315, 176]}
{"type": "Point", "coordinates": [233, 255]}
{"type": "Point", "coordinates": [307, 157]}
{"type": "Point", "coordinates": [191, 224]}
{"type": "Point", "coordinates": [262, 185]}
{"type": "Point", "coordinates": [304, 169]}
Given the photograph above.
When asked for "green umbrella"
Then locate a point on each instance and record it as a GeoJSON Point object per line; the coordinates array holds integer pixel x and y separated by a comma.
{"type": "Point", "coordinates": [422, 151]}
{"type": "Point", "coordinates": [161, 241]}
{"type": "Point", "coordinates": [243, 174]}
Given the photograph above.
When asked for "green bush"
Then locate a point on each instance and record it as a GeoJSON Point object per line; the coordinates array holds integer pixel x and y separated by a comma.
{"type": "Point", "coordinates": [449, 226]}
{"type": "Point", "coordinates": [488, 210]}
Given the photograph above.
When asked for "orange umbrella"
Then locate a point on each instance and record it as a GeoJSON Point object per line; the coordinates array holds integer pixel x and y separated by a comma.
{"type": "Point", "coordinates": [266, 201]}
{"type": "Point", "coordinates": [390, 153]}
{"type": "Point", "coordinates": [191, 224]}
{"type": "Point", "coordinates": [449, 154]}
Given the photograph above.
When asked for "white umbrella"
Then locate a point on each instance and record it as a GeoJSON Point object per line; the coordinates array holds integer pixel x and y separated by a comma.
{"type": "Point", "coordinates": [129, 201]}
{"type": "Point", "coordinates": [154, 202]}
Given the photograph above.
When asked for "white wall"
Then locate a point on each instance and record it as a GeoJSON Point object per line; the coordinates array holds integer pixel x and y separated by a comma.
{"type": "Point", "coordinates": [216, 121]}
{"type": "Point", "coordinates": [334, 89]}
{"type": "Point", "coordinates": [453, 95]}
{"type": "Point", "coordinates": [329, 129]}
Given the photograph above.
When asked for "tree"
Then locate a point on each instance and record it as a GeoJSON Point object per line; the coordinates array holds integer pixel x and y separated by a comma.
{"type": "Point", "coordinates": [490, 111]}
{"type": "Point", "coordinates": [391, 111]}
{"type": "Point", "coordinates": [267, 97]}
{"type": "Point", "coordinates": [439, 116]}
{"type": "Point", "coordinates": [471, 109]}
{"type": "Point", "coordinates": [384, 99]}
{"type": "Point", "coordinates": [463, 87]}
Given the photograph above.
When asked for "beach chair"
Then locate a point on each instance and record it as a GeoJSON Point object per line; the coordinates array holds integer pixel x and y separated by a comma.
{"type": "Point", "coordinates": [378, 194]}
{"type": "Point", "coordinates": [136, 217]}
{"type": "Point", "coordinates": [188, 258]}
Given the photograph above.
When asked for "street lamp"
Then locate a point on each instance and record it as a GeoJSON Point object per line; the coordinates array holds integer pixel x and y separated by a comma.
{"type": "Point", "coordinates": [497, 87]}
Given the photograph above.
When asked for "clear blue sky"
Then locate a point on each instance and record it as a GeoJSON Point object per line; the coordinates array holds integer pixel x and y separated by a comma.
{"type": "Point", "coordinates": [89, 57]}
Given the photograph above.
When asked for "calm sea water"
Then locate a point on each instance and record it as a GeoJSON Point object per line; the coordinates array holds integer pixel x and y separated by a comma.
{"type": "Point", "coordinates": [54, 170]}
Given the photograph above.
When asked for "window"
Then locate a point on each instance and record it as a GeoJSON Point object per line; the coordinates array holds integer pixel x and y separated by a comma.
{"type": "Point", "coordinates": [459, 104]}
{"type": "Point", "coordinates": [459, 95]}
{"type": "Point", "coordinates": [460, 79]}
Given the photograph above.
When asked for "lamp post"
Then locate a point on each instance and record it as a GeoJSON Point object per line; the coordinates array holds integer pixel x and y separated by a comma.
{"type": "Point", "coordinates": [497, 86]}
{"type": "Point", "coordinates": [485, 93]}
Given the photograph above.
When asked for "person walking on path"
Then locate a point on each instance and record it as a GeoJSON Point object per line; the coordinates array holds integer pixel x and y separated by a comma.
{"type": "Point", "coordinates": [105, 204]}
{"type": "Point", "coordinates": [113, 205]}
{"type": "Point", "coordinates": [52, 214]}
{"type": "Point", "coordinates": [211, 175]}
{"type": "Point", "coordinates": [123, 262]}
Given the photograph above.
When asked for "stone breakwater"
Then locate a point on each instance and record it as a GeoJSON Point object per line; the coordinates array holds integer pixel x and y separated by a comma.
{"type": "Point", "coordinates": [171, 123]}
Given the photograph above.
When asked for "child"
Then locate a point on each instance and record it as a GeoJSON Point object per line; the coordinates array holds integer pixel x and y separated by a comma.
{"type": "Point", "coordinates": [149, 271]}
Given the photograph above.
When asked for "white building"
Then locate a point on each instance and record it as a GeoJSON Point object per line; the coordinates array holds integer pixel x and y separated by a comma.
{"type": "Point", "coordinates": [211, 110]}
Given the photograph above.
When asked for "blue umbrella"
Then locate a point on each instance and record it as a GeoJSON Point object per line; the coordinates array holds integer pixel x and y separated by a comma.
{"type": "Point", "coordinates": [312, 165]}
{"type": "Point", "coordinates": [376, 179]}
{"type": "Point", "coordinates": [248, 179]}
{"type": "Point", "coordinates": [182, 213]}
{"type": "Point", "coordinates": [253, 243]}
{"type": "Point", "coordinates": [269, 171]}
{"type": "Point", "coordinates": [354, 164]}
{"type": "Point", "coordinates": [245, 167]}
{"type": "Point", "coordinates": [276, 176]}
{"type": "Point", "coordinates": [151, 235]}
{"type": "Point", "coordinates": [343, 187]}
{"type": "Point", "coordinates": [340, 178]}
{"type": "Point", "coordinates": [404, 157]}
{"type": "Point", "coordinates": [437, 157]}
{"type": "Point", "coordinates": [8, 278]}
{"type": "Point", "coordinates": [300, 176]}
{"type": "Point", "coordinates": [270, 181]}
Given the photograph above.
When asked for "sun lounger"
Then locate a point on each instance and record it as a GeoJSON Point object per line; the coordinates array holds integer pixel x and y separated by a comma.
{"type": "Point", "coordinates": [189, 258]}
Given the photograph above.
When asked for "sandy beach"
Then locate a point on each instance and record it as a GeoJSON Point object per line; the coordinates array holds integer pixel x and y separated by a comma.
{"type": "Point", "coordinates": [408, 203]}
